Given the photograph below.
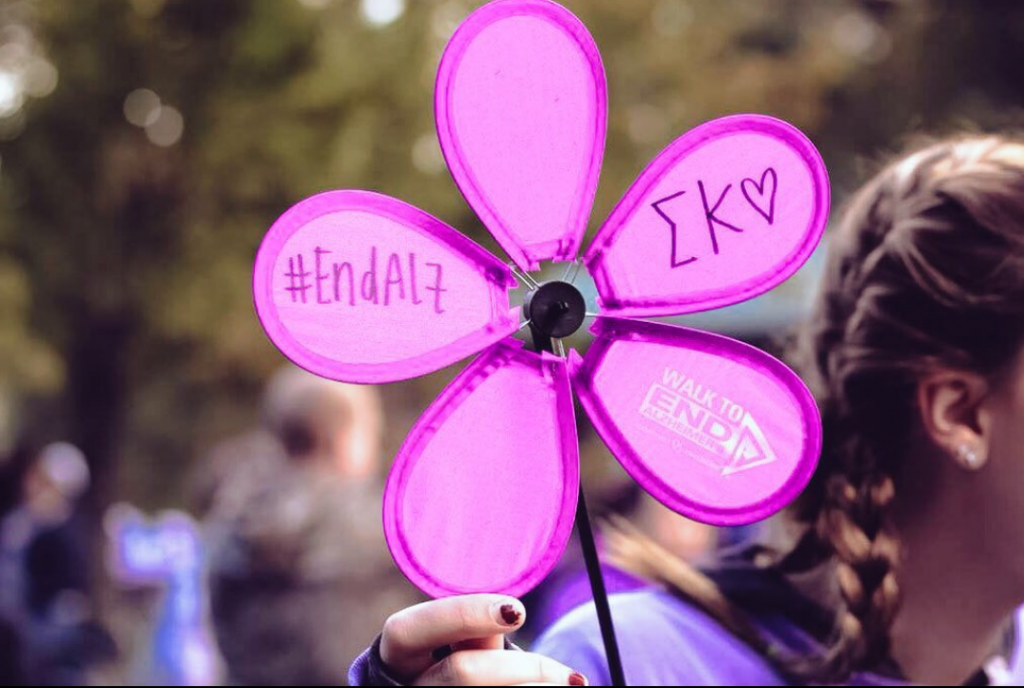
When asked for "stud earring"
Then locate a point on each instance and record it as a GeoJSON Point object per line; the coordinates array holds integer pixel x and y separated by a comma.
{"type": "Point", "coordinates": [970, 457]}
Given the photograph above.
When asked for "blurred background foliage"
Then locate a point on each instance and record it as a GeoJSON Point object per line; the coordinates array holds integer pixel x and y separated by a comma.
{"type": "Point", "coordinates": [147, 145]}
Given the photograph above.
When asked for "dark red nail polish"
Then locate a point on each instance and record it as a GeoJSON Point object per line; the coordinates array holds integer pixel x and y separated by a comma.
{"type": "Point", "coordinates": [578, 679]}
{"type": "Point", "coordinates": [510, 615]}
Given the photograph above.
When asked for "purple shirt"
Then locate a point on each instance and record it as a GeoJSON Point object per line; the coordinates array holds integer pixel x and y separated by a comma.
{"type": "Point", "coordinates": [667, 642]}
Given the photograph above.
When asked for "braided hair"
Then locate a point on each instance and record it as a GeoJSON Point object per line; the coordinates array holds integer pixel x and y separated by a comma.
{"type": "Point", "coordinates": [926, 273]}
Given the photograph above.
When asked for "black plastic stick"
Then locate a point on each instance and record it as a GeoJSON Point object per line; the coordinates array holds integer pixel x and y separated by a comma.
{"type": "Point", "coordinates": [588, 544]}
{"type": "Point", "coordinates": [597, 586]}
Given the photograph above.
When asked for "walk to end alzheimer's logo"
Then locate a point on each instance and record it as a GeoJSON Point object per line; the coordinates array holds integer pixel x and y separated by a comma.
{"type": "Point", "coordinates": [729, 438]}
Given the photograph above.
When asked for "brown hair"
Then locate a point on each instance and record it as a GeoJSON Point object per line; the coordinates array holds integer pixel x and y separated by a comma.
{"type": "Point", "coordinates": [926, 273]}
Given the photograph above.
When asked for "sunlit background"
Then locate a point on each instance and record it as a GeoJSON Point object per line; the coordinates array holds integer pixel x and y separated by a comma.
{"type": "Point", "coordinates": [147, 145]}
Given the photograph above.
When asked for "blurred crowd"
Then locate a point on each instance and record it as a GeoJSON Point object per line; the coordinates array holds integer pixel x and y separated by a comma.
{"type": "Point", "coordinates": [50, 634]}
{"type": "Point", "coordinates": [277, 575]}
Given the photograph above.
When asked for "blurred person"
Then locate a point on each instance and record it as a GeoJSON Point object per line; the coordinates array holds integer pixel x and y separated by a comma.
{"type": "Point", "coordinates": [45, 585]}
{"type": "Point", "coordinates": [167, 555]}
{"type": "Point", "coordinates": [264, 448]}
{"type": "Point", "coordinates": [11, 673]}
{"type": "Point", "coordinates": [900, 563]}
{"type": "Point", "coordinates": [300, 574]}
{"type": "Point", "coordinates": [13, 468]}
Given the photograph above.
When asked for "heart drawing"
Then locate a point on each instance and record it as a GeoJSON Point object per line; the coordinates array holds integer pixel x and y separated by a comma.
{"type": "Point", "coordinates": [767, 190]}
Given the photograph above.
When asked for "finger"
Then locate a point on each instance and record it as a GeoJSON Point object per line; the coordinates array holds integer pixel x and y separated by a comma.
{"type": "Point", "coordinates": [494, 642]}
{"type": "Point", "coordinates": [498, 668]}
{"type": "Point", "coordinates": [411, 636]}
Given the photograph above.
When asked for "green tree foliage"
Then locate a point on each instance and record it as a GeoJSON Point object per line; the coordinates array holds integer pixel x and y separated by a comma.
{"type": "Point", "coordinates": [125, 251]}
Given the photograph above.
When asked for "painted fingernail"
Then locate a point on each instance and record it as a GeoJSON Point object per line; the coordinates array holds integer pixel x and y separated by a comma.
{"type": "Point", "coordinates": [578, 679]}
{"type": "Point", "coordinates": [510, 615]}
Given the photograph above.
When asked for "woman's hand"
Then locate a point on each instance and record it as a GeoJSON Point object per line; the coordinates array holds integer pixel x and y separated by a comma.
{"type": "Point", "coordinates": [470, 633]}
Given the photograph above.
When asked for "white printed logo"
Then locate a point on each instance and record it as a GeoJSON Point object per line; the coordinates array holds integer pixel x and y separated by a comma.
{"type": "Point", "coordinates": [730, 437]}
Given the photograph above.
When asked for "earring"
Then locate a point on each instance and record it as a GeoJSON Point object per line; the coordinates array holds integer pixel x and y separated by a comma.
{"type": "Point", "coordinates": [970, 457]}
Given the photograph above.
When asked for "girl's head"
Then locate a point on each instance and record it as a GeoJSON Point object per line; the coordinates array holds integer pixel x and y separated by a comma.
{"type": "Point", "coordinates": [916, 352]}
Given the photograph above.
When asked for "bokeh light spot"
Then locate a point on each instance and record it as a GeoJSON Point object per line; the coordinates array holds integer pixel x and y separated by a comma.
{"type": "Point", "coordinates": [40, 78]}
{"type": "Point", "coordinates": [382, 12]}
{"type": "Point", "coordinates": [142, 107]}
{"type": "Point", "coordinates": [12, 96]}
{"type": "Point", "coordinates": [427, 156]}
{"type": "Point", "coordinates": [168, 128]}
{"type": "Point", "coordinates": [860, 37]}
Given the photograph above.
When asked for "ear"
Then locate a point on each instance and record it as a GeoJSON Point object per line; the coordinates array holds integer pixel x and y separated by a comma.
{"type": "Point", "coordinates": [956, 417]}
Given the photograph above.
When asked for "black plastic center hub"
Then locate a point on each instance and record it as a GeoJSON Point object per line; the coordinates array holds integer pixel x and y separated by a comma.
{"type": "Point", "coordinates": [555, 309]}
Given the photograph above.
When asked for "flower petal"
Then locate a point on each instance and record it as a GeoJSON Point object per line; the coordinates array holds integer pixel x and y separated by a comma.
{"type": "Point", "coordinates": [483, 495]}
{"type": "Point", "coordinates": [522, 111]}
{"type": "Point", "coordinates": [727, 212]}
{"type": "Point", "coordinates": [360, 287]}
{"type": "Point", "coordinates": [716, 430]}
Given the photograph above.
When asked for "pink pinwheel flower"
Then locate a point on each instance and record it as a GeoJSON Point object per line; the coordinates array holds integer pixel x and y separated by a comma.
{"type": "Point", "coordinates": [360, 287]}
